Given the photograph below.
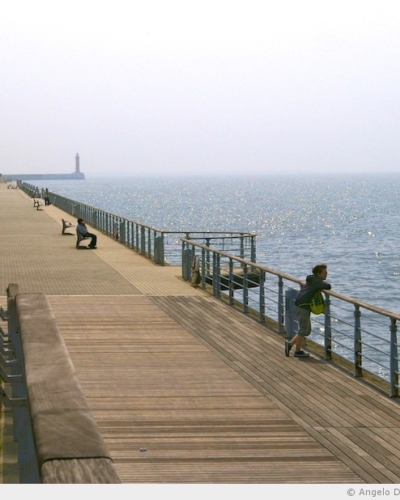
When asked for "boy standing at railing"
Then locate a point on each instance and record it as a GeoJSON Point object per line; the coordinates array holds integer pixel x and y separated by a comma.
{"type": "Point", "coordinates": [314, 283]}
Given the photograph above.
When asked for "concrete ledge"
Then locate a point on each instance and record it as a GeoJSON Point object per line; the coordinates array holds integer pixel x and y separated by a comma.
{"type": "Point", "coordinates": [63, 426]}
{"type": "Point", "coordinates": [81, 471]}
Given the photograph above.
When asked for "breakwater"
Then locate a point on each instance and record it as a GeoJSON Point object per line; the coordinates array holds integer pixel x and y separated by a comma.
{"type": "Point", "coordinates": [44, 177]}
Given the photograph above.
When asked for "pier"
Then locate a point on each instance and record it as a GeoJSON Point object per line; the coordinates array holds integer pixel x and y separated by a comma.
{"type": "Point", "coordinates": [183, 387]}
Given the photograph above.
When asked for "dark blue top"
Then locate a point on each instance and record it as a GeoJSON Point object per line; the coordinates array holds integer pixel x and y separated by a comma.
{"type": "Point", "coordinates": [309, 289]}
{"type": "Point", "coordinates": [82, 229]}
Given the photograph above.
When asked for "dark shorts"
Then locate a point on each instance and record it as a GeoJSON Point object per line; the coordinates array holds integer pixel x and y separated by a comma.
{"type": "Point", "coordinates": [303, 317]}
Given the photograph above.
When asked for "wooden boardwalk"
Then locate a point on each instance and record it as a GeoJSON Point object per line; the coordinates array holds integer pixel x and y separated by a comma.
{"type": "Point", "coordinates": [185, 389]}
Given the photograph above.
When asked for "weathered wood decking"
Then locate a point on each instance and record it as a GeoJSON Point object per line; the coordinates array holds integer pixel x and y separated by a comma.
{"type": "Point", "coordinates": [205, 390]}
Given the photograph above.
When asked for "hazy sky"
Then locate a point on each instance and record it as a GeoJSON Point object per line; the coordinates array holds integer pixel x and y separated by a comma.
{"type": "Point", "coordinates": [146, 86]}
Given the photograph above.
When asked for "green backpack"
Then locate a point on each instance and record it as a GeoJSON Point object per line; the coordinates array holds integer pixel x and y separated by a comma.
{"type": "Point", "coordinates": [317, 304]}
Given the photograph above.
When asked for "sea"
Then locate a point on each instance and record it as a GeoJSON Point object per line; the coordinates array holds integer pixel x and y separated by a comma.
{"type": "Point", "coordinates": [348, 221]}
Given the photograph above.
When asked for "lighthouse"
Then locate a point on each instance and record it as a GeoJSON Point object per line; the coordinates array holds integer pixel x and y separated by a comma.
{"type": "Point", "coordinates": [77, 168]}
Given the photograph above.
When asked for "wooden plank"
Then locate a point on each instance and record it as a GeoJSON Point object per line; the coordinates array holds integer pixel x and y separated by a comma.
{"type": "Point", "coordinates": [223, 343]}
{"type": "Point", "coordinates": [197, 418]}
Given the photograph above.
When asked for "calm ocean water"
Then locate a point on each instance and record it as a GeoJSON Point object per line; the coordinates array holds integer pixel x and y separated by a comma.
{"type": "Point", "coordinates": [349, 222]}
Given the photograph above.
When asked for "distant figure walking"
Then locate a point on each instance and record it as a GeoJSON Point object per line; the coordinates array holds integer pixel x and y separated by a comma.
{"type": "Point", "coordinates": [81, 227]}
{"type": "Point", "coordinates": [314, 283]}
{"type": "Point", "coordinates": [46, 197]}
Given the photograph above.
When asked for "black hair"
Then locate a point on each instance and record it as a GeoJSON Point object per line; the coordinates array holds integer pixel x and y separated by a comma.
{"type": "Point", "coordinates": [318, 268]}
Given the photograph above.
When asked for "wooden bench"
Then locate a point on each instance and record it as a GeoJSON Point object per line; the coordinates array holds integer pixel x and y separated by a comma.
{"type": "Point", "coordinates": [79, 238]}
{"type": "Point", "coordinates": [37, 204]}
{"type": "Point", "coordinates": [66, 225]}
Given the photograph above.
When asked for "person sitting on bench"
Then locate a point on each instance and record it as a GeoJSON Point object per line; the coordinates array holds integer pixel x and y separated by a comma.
{"type": "Point", "coordinates": [81, 227]}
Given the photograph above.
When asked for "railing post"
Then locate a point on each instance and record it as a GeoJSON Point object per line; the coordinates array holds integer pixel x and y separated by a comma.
{"type": "Point", "coordinates": [149, 243]}
{"type": "Point", "coordinates": [216, 275]}
{"type": "Point", "coordinates": [241, 246]}
{"type": "Point", "coordinates": [143, 240]}
{"type": "Point", "coordinates": [129, 234]}
{"type": "Point", "coordinates": [245, 289]}
{"type": "Point", "coordinates": [253, 249]}
{"type": "Point", "coordinates": [186, 261]}
{"type": "Point", "coordinates": [116, 229]}
{"type": "Point", "coordinates": [159, 249]}
{"type": "Point", "coordinates": [122, 232]}
{"type": "Point", "coordinates": [162, 249]}
{"type": "Point", "coordinates": [328, 328]}
{"type": "Point", "coordinates": [136, 247]}
{"type": "Point", "coordinates": [394, 360]}
{"type": "Point", "coordinates": [357, 342]}
{"type": "Point", "coordinates": [231, 283]}
{"type": "Point", "coordinates": [281, 314]}
{"type": "Point", "coordinates": [203, 268]}
{"type": "Point", "coordinates": [208, 257]}
{"type": "Point", "coordinates": [262, 297]}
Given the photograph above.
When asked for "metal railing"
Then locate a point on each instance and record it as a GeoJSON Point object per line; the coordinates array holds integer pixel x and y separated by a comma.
{"type": "Point", "coordinates": [351, 330]}
{"type": "Point", "coordinates": [361, 335]}
{"type": "Point", "coordinates": [158, 245]}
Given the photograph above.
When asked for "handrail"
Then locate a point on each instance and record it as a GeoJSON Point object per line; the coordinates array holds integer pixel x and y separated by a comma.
{"type": "Point", "coordinates": [355, 336]}
{"type": "Point", "coordinates": [299, 281]}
